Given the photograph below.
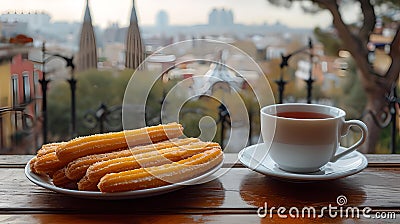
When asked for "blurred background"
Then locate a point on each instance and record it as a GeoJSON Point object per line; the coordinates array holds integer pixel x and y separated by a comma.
{"type": "Point", "coordinates": [64, 65]}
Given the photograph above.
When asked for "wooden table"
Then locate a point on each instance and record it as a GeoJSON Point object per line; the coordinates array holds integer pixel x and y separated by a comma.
{"type": "Point", "coordinates": [234, 197]}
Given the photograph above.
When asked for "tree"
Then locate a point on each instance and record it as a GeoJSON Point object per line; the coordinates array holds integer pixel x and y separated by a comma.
{"type": "Point", "coordinates": [377, 84]}
{"type": "Point", "coordinates": [93, 88]}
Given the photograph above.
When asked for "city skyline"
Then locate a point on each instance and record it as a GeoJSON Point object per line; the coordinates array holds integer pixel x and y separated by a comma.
{"type": "Point", "coordinates": [104, 14]}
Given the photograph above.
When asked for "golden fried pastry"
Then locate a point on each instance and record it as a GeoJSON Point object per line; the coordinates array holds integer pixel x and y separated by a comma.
{"type": "Point", "coordinates": [157, 176]}
{"type": "Point", "coordinates": [44, 150]}
{"type": "Point", "coordinates": [127, 160]}
{"type": "Point", "coordinates": [77, 168]}
{"type": "Point", "coordinates": [61, 180]}
{"type": "Point", "coordinates": [48, 148]}
{"type": "Point", "coordinates": [48, 163]}
{"type": "Point", "coordinates": [109, 142]}
{"type": "Point", "coordinates": [96, 171]}
{"type": "Point", "coordinates": [85, 185]}
{"type": "Point", "coordinates": [32, 164]}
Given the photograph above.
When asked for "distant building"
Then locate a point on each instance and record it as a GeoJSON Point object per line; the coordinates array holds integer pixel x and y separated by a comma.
{"type": "Point", "coordinates": [114, 33]}
{"type": "Point", "coordinates": [220, 17]}
{"type": "Point", "coordinates": [134, 55]}
{"type": "Point", "coordinates": [10, 29]}
{"type": "Point", "coordinates": [166, 62]}
{"type": "Point", "coordinates": [63, 34]}
{"type": "Point", "coordinates": [114, 54]}
{"type": "Point", "coordinates": [162, 19]}
{"type": "Point", "coordinates": [19, 104]}
{"type": "Point", "coordinates": [35, 21]}
{"type": "Point", "coordinates": [87, 55]}
{"type": "Point", "coordinates": [325, 72]}
{"type": "Point", "coordinates": [39, 26]}
{"type": "Point", "coordinates": [275, 52]}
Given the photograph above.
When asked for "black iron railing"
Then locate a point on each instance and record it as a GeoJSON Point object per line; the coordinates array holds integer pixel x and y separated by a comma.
{"type": "Point", "coordinates": [46, 57]}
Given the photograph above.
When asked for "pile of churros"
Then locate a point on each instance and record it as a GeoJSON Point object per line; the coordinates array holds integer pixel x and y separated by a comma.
{"type": "Point", "coordinates": [128, 160]}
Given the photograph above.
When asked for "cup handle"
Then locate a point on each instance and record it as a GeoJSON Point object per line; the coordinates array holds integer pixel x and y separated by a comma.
{"type": "Point", "coordinates": [345, 129]}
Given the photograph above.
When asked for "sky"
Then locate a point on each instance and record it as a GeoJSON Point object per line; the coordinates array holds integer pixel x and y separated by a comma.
{"type": "Point", "coordinates": [181, 12]}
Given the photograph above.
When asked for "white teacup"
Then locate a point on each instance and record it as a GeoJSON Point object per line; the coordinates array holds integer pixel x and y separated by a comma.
{"type": "Point", "coordinates": [304, 137]}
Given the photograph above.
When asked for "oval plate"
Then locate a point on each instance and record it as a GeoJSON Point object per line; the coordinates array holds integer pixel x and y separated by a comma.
{"type": "Point", "coordinates": [46, 182]}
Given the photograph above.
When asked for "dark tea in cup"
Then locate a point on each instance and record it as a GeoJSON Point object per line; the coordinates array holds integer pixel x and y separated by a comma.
{"type": "Point", "coordinates": [302, 115]}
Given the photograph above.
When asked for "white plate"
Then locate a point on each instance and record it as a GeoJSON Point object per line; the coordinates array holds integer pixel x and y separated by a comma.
{"type": "Point", "coordinates": [45, 182]}
{"type": "Point", "coordinates": [256, 158]}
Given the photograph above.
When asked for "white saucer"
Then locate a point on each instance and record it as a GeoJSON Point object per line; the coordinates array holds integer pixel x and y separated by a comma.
{"type": "Point", "coordinates": [256, 158]}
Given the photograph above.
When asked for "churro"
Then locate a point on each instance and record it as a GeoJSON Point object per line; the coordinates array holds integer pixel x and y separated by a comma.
{"type": "Point", "coordinates": [96, 171]}
{"type": "Point", "coordinates": [85, 185]}
{"type": "Point", "coordinates": [44, 150]}
{"type": "Point", "coordinates": [61, 180]}
{"type": "Point", "coordinates": [102, 143]}
{"type": "Point", "coordinates": [32, 164]}
{"type": "Point", "coordinates": [161, 175]}
{"type": "Point", "coordinates": [48, 163]}
{"type": "Point", "coordinates": [77, 168]}
{"type": "Point", "coordinates": [48, 148]}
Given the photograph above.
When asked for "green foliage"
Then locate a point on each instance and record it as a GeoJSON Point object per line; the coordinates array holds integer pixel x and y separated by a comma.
{"type": "Point", "coordinates": [316, 6]}
{"type": "Point", "coordinates": [58, 111]}
{"type": "Point", "coordinates": [352, 96]}
{"type": "Point", "coordinates": [354, 99]}
{"type": "Point", "coordinates": [191, 114]}
{"type": "Point", "coordinates": [101, 59]}
{"type": "Point", "coordinates": [93, 88]}
{"type": "Point", "coordinates": [394, 4]}
{"type": "Point", "coordinates": [153, 103]}
{"type": "Point", "coordinates": [385, 141]}
{"type": "Point", "coordinates": [253, 109]}
{"type": "Point", "coordinates": [331, 43]}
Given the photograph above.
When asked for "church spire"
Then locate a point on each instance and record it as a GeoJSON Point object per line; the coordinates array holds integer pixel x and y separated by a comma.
{"type": "Point", "coordinates": [134, 55]}
{"type": "Point", "coordinates": [133, 13]}
{"type": "Point", "coordinates": [87, 55]}
{"type": "Point", "coordinates": [87, 17]}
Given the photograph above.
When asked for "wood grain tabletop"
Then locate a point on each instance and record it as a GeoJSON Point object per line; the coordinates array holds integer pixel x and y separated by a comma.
{"type": "Point", "coordinates": [236, 196]}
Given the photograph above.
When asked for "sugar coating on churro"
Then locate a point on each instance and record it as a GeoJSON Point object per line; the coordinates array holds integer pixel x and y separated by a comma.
{"type": "Point", "coordinates": [61, 180]}
{"type": "Point", "coordinates": [48, 148]}
{"type": "Point", "coordinates": [48, 163]}
{"type": "Point", "coordinates": [102, 143]}
{"type": "Point", "coordinates": [32, 164]}
{"type": "Point", "coordinates": [77, 168]}
{"type": "Point", "coordinates": [161, 175]}
{"type": "Point", "coordinates": [156, 158]}
{"type": "Point", "coordinates": [85, 185]}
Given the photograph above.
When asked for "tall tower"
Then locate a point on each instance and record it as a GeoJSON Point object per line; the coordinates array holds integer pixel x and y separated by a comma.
{"type": "Point", "coordinates": [134, 46]}
{"type": "Point", "coordinates": [87, 55]}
